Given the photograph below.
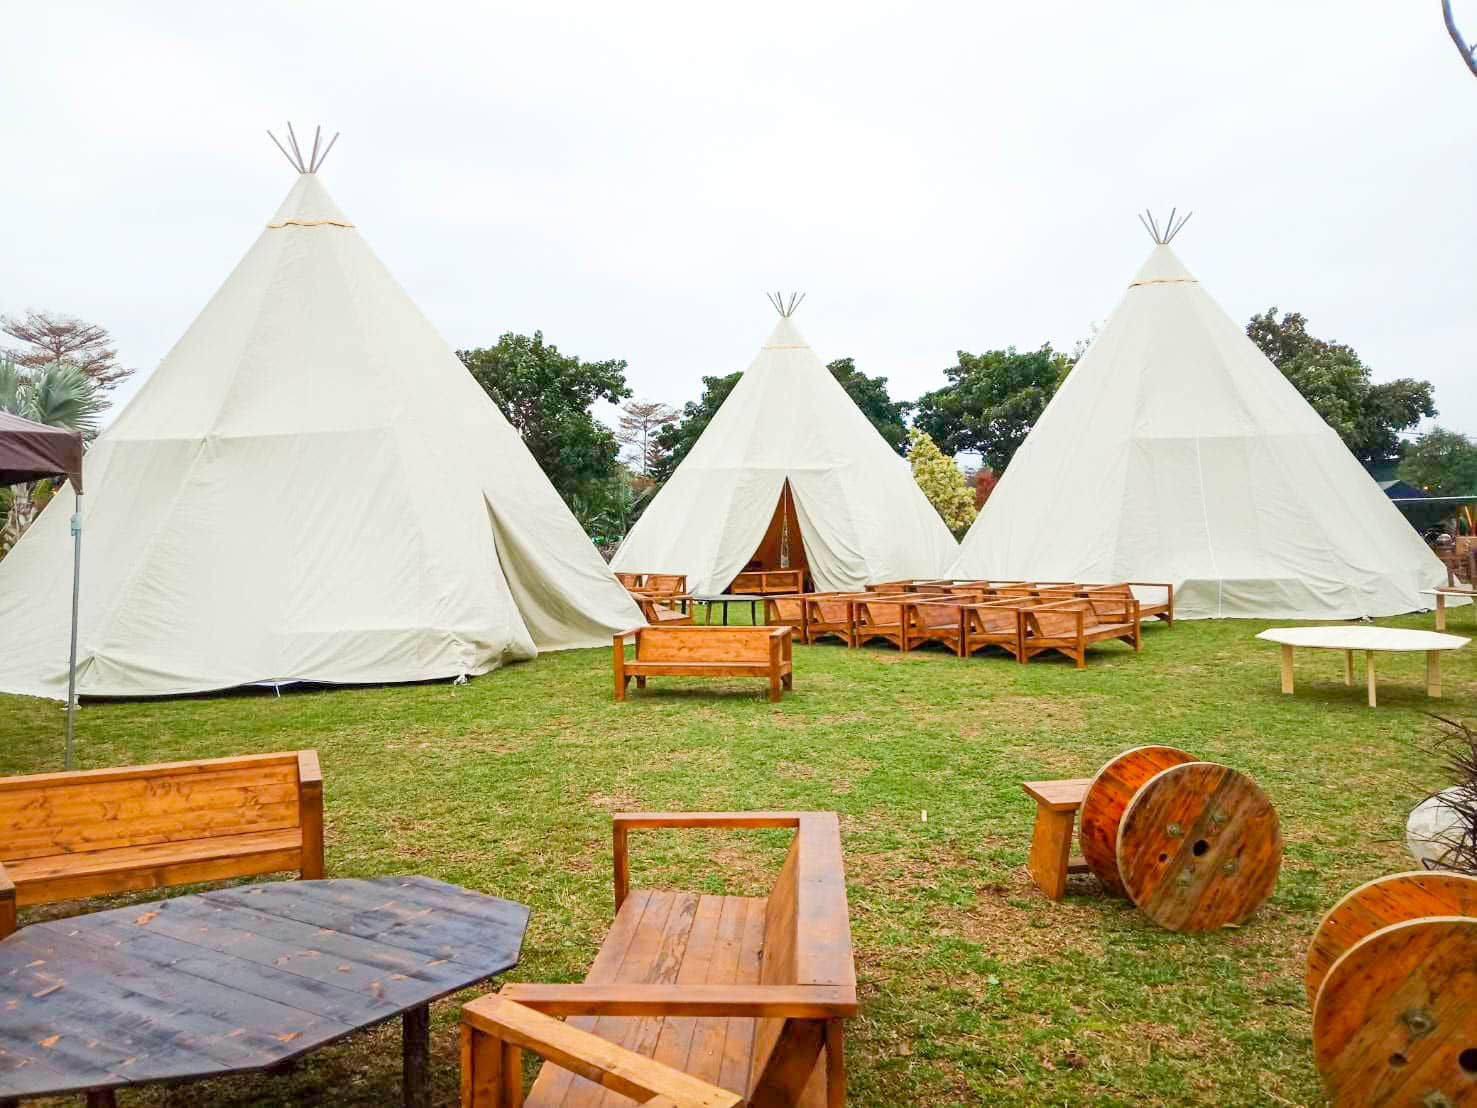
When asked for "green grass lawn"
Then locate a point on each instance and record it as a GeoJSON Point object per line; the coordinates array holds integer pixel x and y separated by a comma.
{"type": "Point", "coordinates": [975, 989]}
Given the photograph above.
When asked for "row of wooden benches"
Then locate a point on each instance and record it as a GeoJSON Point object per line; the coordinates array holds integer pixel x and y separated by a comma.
{"type": "Point", "coordinates": [1022, 619]}
{"type": "Point", "coordinates": [693, 1000]}
{"type": "Point", "coordinates": [748, 583]}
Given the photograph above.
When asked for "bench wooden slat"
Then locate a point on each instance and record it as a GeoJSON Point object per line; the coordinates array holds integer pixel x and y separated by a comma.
{"type": "Point", "coordinates": [1060, 796]}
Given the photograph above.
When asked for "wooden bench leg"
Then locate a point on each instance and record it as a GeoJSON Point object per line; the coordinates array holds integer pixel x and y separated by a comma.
{"type": "Point", "coordinates": [835, 1064]}
{"type": "Point", "coordinates": [7, 921]}
{"type": "Point", "coordinates": [774, 686]}
{"type": "Point", "coordinates": [641, 682]}
{"type": "Point", "coordinates": [415, 1049]}
{"type": "Point", "coordinates": [1286, 669]}
{"type": "Point", "coordinates": [1051, 846]}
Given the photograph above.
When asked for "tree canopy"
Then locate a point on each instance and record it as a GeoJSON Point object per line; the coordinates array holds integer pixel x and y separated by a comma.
{"type": "Point", "coordinates": [547, 396]}
{"type": "Point", "coordinates": [1367, 416]}
{"type": "Point", "coordinates": [941, 481]}
{"type": "Point", "coordinates": [46, 338]}
{"type": "Point", "coordinates": [992, 401]}
{"type": "Point", "coordinates": [1442, 462]}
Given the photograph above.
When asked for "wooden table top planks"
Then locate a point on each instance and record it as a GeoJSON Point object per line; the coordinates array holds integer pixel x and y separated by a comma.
{"type": "Point", "coordinates": [238, 979]}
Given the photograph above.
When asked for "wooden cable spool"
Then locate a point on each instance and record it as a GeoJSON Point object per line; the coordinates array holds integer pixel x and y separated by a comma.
{"type": "Point", "coordinates": [1395, 1021]}
{"type": "Point", "coordinates": [1106, 798]}
{"type": "Point", "coordinates": [1380, 903]}
{"type": "Point", "coordinates": [1199, 847]}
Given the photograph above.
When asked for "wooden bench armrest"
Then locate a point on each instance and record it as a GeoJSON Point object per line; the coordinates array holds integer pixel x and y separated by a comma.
{"type": "Point", "coordinates": [811, 1002]}
{"type": "Point", "coordinates": [7, 903]}
{"type": "Point", "coordinates": [620, 637]}
{"type": "Point", "coordinates": [622, 822]}
{"type": "Point", "coordinates": [495, 1030]}
{"type": "Point", "coordinates": [310, 814]}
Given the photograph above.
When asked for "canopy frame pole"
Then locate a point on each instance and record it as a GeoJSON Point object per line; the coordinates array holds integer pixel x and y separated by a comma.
{"type": "Point", "coordinates": [72, 658]}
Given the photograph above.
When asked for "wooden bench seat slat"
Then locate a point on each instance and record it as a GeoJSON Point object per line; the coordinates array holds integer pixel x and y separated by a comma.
{"type": "Point", "coordinates": [1060, 796]}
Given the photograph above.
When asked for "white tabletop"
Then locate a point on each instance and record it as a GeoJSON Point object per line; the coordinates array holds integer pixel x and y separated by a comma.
{"type": "Point", "coordinates": [1363, 638]}
{"type": "Point", "coordinates": [1450, 590]}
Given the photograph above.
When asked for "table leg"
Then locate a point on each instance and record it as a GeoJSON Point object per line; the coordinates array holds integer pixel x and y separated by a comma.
{"type": "Point", "coordinates": [725, 613]}
{"type": "Point", "coordinates": [1369, 674]}
{"type": "Point", "coordinates": [415, 1031]}
{"type": "Point", "coordinates": [1440, 611]}
{"type": "Point", "coordinates": [1051, 845]}
{"type": "Point", "coordinates": [1349, 668]}
{"type": "Point", "coordinates": [1287, 669]}
{"type": "Point", "coordinates": [1433, 673]}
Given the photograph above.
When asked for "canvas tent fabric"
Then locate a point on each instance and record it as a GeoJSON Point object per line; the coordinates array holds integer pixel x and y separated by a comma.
{"type": "Point", "coordinates": [1176, 452]}
{"type": "Point", "coordinates": [861, 516]}
{"type": "Point", "coordinates": [32, 450]}
{"type": "Point", "coordinates": [310, 487]}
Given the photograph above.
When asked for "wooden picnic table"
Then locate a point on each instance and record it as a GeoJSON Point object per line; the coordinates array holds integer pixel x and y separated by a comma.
{"type": "Point", "coordinates": [1442, 593]}
{"type": "Point", "coordinates": [239, 979]}
{"type": "Point", "coordinates": [1371, 640]}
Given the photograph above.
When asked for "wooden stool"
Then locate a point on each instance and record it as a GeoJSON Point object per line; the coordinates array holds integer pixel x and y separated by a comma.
{"type": "Point", "coordinates": [1051, 840]}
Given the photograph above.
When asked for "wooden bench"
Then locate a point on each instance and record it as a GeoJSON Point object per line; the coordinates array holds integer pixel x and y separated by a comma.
{"type": "Point", "coordinates": [787, 611]}
{"type": "Point", "coordinates": [1071, 626]}
{"type": "Point", "coordinates": [883, 615]}
{"type": "Point", "coordinates": [632, 581]}
{"type": "Point", "coordinates": [694, 999]}
{"type": "Point", "coordinates": [68, 835]}
{"type": "Point", "coordinates": [768, 581]}
{"type": "Point", "coordinates": [936, 617]}
{"type": "Point", "coordinates": [1156, 604]}
{"type": "Point", "coordinates": [1051, 858]}
{"type": "Point", "coordinates": [993, 622]}
{"type": "Point", "coordinates": [705, 652]}
{"type": "Point", "coordinates": [832, 613]}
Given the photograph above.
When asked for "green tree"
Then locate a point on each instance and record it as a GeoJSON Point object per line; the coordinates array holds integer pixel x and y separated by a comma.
{"type": "Point", "coordinates": [941, 481]}
{"type": "Point", "coordinates": [547, 396]}
{"type": "Point", "coordinates": [870, 395]}
{"type": "Point", "coordinates": [1369, 417]}
{"type": "Point", "coordinates": [1442, 462]}
{"type": "Point", "coordinates": [992, 401]}
{"type": "Point", "coordinates": [59, 395]}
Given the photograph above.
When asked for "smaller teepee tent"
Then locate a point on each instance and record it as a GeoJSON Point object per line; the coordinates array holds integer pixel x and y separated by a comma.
{"type": "Point", "coordinates": [310, 487]}
{"type": "Point", "coordinates": [1176, 452]}
{"type": "Point", "coordinates": [789, 473]}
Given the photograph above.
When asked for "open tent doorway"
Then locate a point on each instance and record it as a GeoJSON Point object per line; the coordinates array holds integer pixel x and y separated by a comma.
{"type": "Point", "coordinates": [783, 546]}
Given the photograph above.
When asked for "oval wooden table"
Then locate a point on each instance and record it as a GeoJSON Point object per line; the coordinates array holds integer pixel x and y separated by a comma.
{"type": "Point", "coordinates": [1371, 640]}
{"type": "Point", "coordinates": [239, 979]}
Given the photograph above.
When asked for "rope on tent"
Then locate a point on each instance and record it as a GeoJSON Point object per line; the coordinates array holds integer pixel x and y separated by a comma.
{"type": "Point", "coordinates": [785, 307]}
{"type": "Point", "coordinates": [1163, 236]}
{"type": "Point", "coordinates": [314, 161]}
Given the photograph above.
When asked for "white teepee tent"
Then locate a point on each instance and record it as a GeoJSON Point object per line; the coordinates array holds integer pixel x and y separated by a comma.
{"type": "Point", "coordinates": [789, 427]}
{"type": "Point", "coordinates": [1176, 452]}
{"type": "Point", "coordinates": [309, 487]}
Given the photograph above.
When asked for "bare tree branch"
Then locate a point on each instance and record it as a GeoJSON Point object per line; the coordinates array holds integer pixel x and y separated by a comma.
{"type": "Point", "coordinates": [1469, 54]}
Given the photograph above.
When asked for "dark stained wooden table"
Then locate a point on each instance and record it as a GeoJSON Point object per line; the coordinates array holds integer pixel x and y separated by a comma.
{"type": "Point", "coordinates": [239, 979]}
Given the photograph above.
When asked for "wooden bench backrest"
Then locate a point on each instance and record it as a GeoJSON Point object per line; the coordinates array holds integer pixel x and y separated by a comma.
{"type": "Point", "coordinates": [1059, 618]}
{"type": "Point", "coordinates": [832, 607]}
{"type": "Point", "coordinates": [630, 580]}
{"type": "Point", "coordinates": [886, 609]}
{"type": "Point", "coordinates": [938, 611]}
{"type": "Point", "coordinates": [807, 941]}
{"type": "Point", "coordinates": [703, 644]}
{"type": "Point", "coordinates": [992, 616]}
{"type": "Point", "coordinates": [666, 582]}
{"type": "Point", "coordinates": [66, 813]}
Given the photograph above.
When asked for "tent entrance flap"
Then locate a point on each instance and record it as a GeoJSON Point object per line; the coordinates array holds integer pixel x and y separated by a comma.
{"type": "Point", "coordinates": [782, 546]}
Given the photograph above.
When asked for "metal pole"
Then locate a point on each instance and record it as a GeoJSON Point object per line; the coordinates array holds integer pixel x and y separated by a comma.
{"type": "Point", "coordinates": [72, 664]}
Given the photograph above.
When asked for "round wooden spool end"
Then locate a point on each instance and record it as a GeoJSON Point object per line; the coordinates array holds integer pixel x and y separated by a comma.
{"type": "Point", "coordinates": [1106, 798]}
{"type": "Point", "coordinates": [1199, 847]}
{"type": "Point", "coordinates": [1379, 903]}
{"type": "Point", "coordinates": [1396, 1018]}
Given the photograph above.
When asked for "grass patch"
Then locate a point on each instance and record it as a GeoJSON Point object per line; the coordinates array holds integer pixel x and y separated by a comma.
{"type": "Point", "coordinates": [976, 990]}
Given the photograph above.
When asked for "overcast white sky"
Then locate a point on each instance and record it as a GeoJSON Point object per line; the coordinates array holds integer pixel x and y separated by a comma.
{"type": "Point", "coordinates": [629, 178]}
